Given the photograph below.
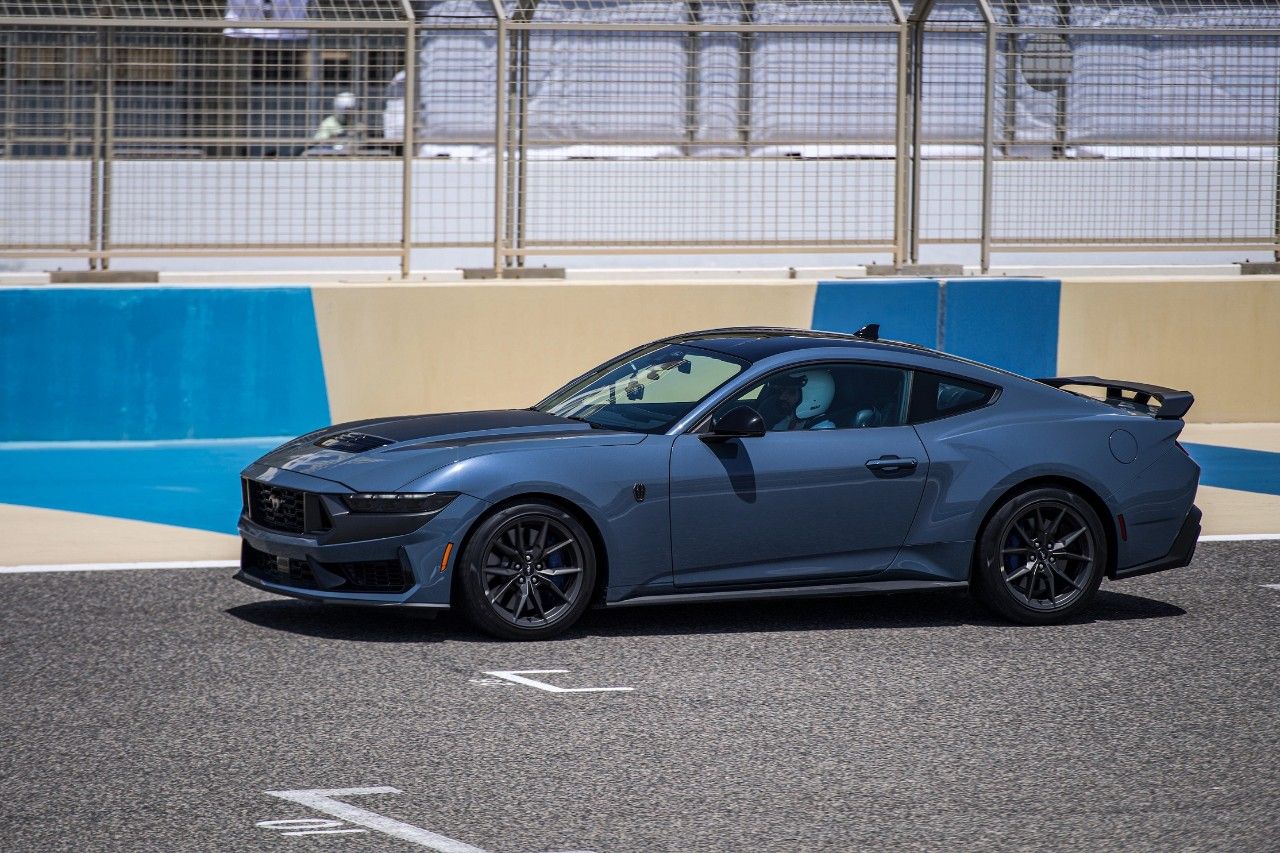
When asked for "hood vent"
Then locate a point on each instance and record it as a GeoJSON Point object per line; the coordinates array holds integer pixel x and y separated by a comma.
{"type": "Point", "coordinates": [352, 442]}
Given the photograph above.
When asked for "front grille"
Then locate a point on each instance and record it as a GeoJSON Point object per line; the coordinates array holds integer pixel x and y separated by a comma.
{"type": "Point", "coordinates": [295, 573]}
{"type": "Point", "coordinates": [277, 507]}
{"type": "Point", "coordinates": [373, 576]}
{"type": "Point", "coordinates": [363, 576]}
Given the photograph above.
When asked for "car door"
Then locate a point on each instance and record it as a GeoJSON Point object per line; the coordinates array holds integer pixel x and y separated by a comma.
{"type": "Point", "coordinates": [827, 497]}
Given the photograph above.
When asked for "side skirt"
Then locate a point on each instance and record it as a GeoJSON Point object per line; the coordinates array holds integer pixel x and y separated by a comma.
{"type": "Point", "coordinates": [825, 591]}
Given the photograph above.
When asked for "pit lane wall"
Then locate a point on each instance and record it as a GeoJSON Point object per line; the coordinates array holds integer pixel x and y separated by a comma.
{"type": "Point", "coordinates": [449, 347]}
{"type": "Point", "coordinates": [170, 362]}
{"type": "Point", "coordinates": [142, 403]}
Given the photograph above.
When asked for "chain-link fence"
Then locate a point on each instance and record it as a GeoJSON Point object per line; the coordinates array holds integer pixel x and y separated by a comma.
{"type": "Point", "coordinates": [576, 127]}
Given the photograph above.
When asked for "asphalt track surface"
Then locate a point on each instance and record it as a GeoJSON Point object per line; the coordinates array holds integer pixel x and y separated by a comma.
{"type": "Point", "coordinates": [153, 710]}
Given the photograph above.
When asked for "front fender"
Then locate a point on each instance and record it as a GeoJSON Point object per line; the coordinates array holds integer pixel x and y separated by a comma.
{"type": "Point", "coordinates": [600, 482]}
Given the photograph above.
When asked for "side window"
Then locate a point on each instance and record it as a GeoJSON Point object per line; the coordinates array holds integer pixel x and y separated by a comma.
{"type": "Point", "coordinates": [828, 396]}
{"type": "Point", "coordinates": [934, 396]}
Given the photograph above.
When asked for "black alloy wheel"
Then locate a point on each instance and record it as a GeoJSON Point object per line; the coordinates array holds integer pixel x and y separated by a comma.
{"type": "Point", "coordinates": [1041, 557]}
{"type": "Point", "coordinates": [528, 572]}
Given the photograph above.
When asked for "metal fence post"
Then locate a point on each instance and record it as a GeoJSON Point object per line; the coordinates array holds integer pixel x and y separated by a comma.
{"type": "Point", "coordinates": [517, 125]}
{"type": "Point", "coordinates": [692, 49]}
{"type": "Point", "coordinates": [108, 150]}
{"type": "Point", "coordinates": [916, 25]}
{"type": "Point", "coordinates": [988, 143]}
{"type": "Point", "coordinates": [407, 152]}
{"type": "Point", "coordinates": [95, 146]}
{"type": "Point", "coordinates": [500, 147]}
{"type": "Point", "coordinates": [902, 156]}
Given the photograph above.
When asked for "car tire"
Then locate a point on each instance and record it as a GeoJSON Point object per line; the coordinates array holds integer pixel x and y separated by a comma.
{"type": "Point", "coordinates": [528, 572]}
{"type": "Point", "coordinates": [1040, 557]}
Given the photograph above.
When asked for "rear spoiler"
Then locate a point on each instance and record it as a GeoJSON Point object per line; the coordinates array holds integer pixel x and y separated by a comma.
{"type": "Point", "coordinates": [1172, 404]}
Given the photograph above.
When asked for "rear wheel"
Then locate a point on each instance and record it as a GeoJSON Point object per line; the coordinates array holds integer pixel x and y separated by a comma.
{"type": "Point", "coordinates": [1040, 557]}
{"type": "Point", "coordinates": [528, 572]}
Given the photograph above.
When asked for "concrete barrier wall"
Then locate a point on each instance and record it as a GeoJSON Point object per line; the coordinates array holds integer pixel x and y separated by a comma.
{"type": "Point", "coordinates": [1219, 338]}
{"type": "Point", "coordinates": [149, 364]}
{"type": "Point", "coordinates": [209, 378]}
{"type": "Point", "coordinates": [180, 363]}
{"type": "Point", "coordinates": [417, 348]}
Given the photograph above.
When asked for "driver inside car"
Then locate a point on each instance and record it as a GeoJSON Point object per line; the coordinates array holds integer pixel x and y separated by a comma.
{"type": "Point", "coordinates": [795, 401]}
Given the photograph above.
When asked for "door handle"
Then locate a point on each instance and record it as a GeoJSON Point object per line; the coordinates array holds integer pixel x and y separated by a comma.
{"type": "Point", "coordinates": [891, 465]}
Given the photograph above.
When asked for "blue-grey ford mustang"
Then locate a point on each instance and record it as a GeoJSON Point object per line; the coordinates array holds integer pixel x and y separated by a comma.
{"type": "Point", "coordinates": [736, 464]}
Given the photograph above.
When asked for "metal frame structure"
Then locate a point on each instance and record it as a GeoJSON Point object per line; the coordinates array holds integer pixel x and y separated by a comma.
{"type": "Point", "coordinates": [530, 191]}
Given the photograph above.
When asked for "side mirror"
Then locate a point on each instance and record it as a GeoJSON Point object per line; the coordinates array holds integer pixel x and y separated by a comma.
{"type": "Point", "coordinates": [738, 422]}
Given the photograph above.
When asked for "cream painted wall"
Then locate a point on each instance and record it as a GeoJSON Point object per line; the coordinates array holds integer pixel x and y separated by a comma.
{"type": "Point", "coordinates": [455, 347]}
{"type": "Point", "coordinates": [1218, 338]}
{"type": "Point", "coordinates": [394, 349]}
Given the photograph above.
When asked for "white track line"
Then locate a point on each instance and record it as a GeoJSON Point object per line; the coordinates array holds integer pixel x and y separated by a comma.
{"type": "Point", "coordinates": [327, 801]}
{"type": "Point", "coordinates": [117, 567]}
{"type": "Point", "coordinates": [1240, 537]}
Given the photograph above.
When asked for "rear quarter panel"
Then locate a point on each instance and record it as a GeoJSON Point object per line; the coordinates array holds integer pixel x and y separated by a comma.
{"type": "Point", "coordinates": [1030, 432]}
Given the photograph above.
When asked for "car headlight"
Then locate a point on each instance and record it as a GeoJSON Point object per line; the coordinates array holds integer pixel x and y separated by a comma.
{"type": "Point", "coordinates": [407, 502]}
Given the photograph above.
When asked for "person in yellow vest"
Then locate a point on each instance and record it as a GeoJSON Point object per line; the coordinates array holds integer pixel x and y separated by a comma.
{"type": "Point", "coordinates": [334, 127]}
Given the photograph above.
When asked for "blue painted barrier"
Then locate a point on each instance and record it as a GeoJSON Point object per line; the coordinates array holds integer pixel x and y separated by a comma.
{"type": "Point", "coordinates": [1005, 322]}
{"type": "Point", "coordinates": [158, 363]}
{"type": "Point", "coordinates": [183, 483]}
{"type": "Point", "coordinates": [906, 309]}
{"type": "Point", "coordinates": [1237, 468]}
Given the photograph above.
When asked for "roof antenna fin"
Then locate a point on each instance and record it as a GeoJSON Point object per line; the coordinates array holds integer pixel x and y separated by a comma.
{"type": "Point", "coordinates": [869, 332]}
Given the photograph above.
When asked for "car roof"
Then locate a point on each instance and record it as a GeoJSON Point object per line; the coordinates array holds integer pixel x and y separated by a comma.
{"type": "Point", "coordinates": [754, 343]}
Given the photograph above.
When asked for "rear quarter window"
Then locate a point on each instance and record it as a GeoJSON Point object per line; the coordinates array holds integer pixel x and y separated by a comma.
{"type": "Point", "coordinates": [936, 396]}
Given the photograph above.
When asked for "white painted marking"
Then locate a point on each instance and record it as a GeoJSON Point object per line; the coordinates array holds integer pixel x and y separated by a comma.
{"type": "Point", "coordinates": [516, 676]}
{"type": "Point", "coordinates": [307, 826]}
{"type": "Point", "coordinates": [298, 823]}
{"type": "Point", "coordinates": [117, 567]}
{"type": "Point", "coordinates": [1239, 537]}
{"type": "Point", "coordinates": [325, 832]}
{"type": "Point", "coordinates": [1275, 586]}
{"type": "Point", "coordinates": [326, 801]}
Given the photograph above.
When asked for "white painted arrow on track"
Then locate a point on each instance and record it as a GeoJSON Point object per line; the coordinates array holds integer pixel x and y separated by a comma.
{"type": "Point", "coordinates": [327, 800]}
{"type": "Point", "coordinates": [517, 676]}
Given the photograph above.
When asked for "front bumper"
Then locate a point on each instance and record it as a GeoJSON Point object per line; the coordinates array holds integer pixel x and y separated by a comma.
{"type": "Point", "coordinates": [1184, 548]}
{"type": "Point", "coordinates": [338, 598]}
{"type": "Point", "coordinates": [334, 564]}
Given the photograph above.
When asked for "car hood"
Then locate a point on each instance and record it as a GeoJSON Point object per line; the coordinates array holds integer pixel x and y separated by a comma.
{"type": "Point", "coordinates": [386, 453]}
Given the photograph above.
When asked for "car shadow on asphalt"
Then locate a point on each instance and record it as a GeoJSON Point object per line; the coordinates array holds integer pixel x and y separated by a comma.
{"type": "Point", "coordinates": [341, 622]}
{"type": "Point", "coordinates": [902, 610]}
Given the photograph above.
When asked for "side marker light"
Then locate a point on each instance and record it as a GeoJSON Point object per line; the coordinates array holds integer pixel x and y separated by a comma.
{"type": "Point", "coordinates": [444, 561]}
{"type": "Point", "coordinates": [1124, 529]}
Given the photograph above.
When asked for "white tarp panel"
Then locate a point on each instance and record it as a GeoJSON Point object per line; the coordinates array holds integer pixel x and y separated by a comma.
{"type": "Point", "coordinates": [456, 78]}
{"type": "Point", "coordinates": [1036, 110]}
{"type": "Point", "coordinates": [1192, 89]}
{"type": "Point", "coordinates": [608, 87]}
{"type": "Point", "coordinates": [719, 63]}
{"type": "Point", "coordinates": [836, 91]}
{"type": "Point", "coordinates": [258, 11]}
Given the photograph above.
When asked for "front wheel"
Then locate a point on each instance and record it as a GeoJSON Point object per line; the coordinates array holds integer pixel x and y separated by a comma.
{"type": "Point", "coordinates": [528, 572]}
{"type": "Point", "coordinates": [1040, 557]}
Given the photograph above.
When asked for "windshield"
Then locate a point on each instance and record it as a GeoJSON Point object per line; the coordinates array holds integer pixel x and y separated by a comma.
{"type": "Point", "coordinates": [644, 391]}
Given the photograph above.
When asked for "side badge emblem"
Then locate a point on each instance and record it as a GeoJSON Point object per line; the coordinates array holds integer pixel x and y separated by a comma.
{"type": "Point", "coordinates": [638, 491]}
